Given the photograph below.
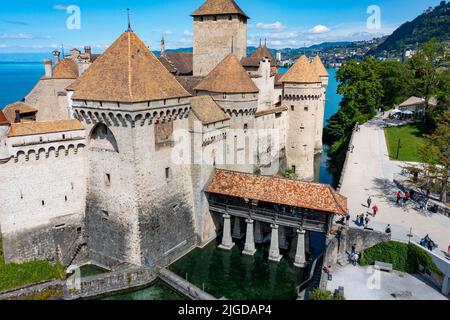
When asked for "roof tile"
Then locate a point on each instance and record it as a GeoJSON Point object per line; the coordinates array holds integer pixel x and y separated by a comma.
{"type": "Point", "coordinates": [42, 127]}
{"type": "Point", "coordinates": [207, 110]}
{"type": "Point", "coordinates": [212, 7]}
{"type": "Point", "coordinates": [301, 72]}
{"type": "Point", "coordinates": [229, 76]}
{"type": "Point", "coordinates": [293, 193]}
{"type": "Point", "coordinates": [127, 72]}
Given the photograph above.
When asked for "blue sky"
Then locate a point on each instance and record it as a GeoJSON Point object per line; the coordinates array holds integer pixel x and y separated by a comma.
{"type": "Point", "coordinates": [41, 26]}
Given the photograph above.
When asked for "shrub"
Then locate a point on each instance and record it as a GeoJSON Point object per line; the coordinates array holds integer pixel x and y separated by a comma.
{"type": "Point", "coordinates": [319, 294]}
{"type": "Point", "coordinates": [403, 257]}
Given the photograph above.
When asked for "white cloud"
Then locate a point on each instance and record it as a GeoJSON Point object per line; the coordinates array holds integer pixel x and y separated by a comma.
{"type": "Point", "coordinates": [16, 36]}
{"type": "Point", "coordinates": [188, 33]}
{"type": "Point", "coordinates": [271, 26]}
{"type": "Point", "coordinates": [319, 29]}
{"type": "Point", "coordinates": [60, 7]}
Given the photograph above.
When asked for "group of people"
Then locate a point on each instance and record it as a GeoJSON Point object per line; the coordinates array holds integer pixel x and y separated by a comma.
{"type": "Point", "coordinates": [405, 198]}
{"type": "Point", "coordinates": [364, 219]}
{"type": "Point", "coordinates": [426, 242]}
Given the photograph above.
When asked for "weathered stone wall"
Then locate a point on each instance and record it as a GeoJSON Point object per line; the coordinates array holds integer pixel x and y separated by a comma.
{"type": "Point", "coordinates": [214, 37]}
{"type": "Point", "coordinates": [43, 190]}
{"type": "Point", "coordinates": [303, 102]}
{"type": "Point", "coordinates": [320, 117]}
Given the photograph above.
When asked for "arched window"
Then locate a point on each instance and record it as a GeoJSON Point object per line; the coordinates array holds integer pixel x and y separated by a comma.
{"type": "Point", "coordinates": [102, 138]}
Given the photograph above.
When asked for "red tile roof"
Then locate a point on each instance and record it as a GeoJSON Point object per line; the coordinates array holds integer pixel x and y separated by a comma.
{"type": "Point", "coordinates": [43, 127]}
{"type": "Point", "coordinates": [213, 7]}
{"type": "Point", "coordinates": [127, 72]}
{"type": "Point", "coordinates": [3, 119]}
{"type": "Point", "coordinates": [275, 190]}
{"type": "Point", "coordinates": [10, 110]}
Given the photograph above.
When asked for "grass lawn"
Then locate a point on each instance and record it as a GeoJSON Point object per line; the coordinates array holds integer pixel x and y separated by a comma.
{"type": "Point", "coordinates": [411, 139]}
{"type": "Point", "coordinates": [17, 275]}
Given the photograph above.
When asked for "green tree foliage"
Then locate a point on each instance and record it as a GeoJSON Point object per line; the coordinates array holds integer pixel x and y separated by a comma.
{"type": "Point", "coordinates": [434, 173]}
{"type": "Point", "coordinates": [397, 80]}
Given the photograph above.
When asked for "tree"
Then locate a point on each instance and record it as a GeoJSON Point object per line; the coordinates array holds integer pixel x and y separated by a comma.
{"type": "Point", "coordinates": [434, 173]}
{"type": "Point", "coordinates": [397, 80]}
{"type": "Point", "coordinates": [425, 67]}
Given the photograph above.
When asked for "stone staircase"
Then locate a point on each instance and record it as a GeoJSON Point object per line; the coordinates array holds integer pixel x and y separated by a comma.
{"type": "Point", "coordinates": [74, 250]}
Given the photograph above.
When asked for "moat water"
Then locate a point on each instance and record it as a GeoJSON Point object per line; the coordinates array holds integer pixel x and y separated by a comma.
{"type": "Point", "coordinates": [220, 273]}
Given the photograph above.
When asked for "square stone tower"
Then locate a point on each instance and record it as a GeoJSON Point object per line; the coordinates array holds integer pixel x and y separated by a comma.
{"type": "Point", "coordinates": [139, 200]}
{"type": "Point", "coordinates": [220, 28]}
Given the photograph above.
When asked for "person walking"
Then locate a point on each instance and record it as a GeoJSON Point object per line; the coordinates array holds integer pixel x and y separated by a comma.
{"type": "Point", "coordinates": [388, 229]}
{"type": "Point", "coordinates": [347, 219]}
{"type": "Point", "coordinates": [375, 210]}
{"type": "Point", "coordinates": [367, 220]}
{"type": "Point", "coordinates": [448, 251]}
{"type": "Point", "coordinates": [407, 196]}
{"type": "Point", "coordinates": [399, 197]}
{"type": "Point", "coordinates": [355, 259]}
{"type": "Point", "coordinates": [369, 202]}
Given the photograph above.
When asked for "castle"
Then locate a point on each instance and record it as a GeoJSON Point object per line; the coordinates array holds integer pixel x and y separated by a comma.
{"type": "Point", "coordinates": [118, 158]}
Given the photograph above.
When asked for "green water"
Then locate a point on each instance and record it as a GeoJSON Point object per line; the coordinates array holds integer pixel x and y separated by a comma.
{"type": "Point", "coordinates": [157, 291]}
{"type": "Point", "coordinates": [237, 277]}
{"type": "Point", "coordinates": [91, 270]}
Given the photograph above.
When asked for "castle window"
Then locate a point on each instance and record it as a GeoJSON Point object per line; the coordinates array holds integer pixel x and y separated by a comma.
{"type": "Point", "coordinates": [64, 137]}
{"type": "Point", "coordinates": [224, 95]}
{"type": "Point", "coordinates": [306, 108]}
{"type": "Point", "coordinates": [201, 18]}
{"type": "Point", "coordinates": [278, 115]}
{"type": "Point", "coordinates": [65, 198]}
{"type": "Point", "coordinates": [107, 179]}
{"type": "Point", "coordinates": [245, 126]}
{"type": "Point", "coordinates": [230, 18]}
{"type": "Point", "coordinates": [168, 173]}
{"type": "Point", "coordinates": [292, 108]}
{"type": "Point", "coordinates": [215, 18]}
{"type": "Point", "coordinates": [294, 168]}
{"type": "Point", "coordinates": [101, 104]}
{"type": "Point", "coordinates": [43, 203]}
{"type": "Point", "coordinates": [79, 230]}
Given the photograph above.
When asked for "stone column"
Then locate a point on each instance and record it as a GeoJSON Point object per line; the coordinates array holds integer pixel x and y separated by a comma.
{"type": "Point", "coordinates": [249, 249]}
{"type": "Point", "coordinates": [274, 253]}
{"type": "Point", "coordinates": [300, 257]}
{"type": "Point", "coordinates": [282, 238]}
{"type": "Point", "coordinates": [259, 237]}
{"type": "Point", "coordinates": [237, 228]}
{"type": "Point", "coordinates": [227, 241]}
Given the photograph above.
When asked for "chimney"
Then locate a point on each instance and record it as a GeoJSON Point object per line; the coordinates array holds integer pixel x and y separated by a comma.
{"type": "Point", "coordinates": [17, 120]}
{"type": "Point", "coordinates": [48, 68]}
{"type": "Point", "coordinates": [56, 55]}
{"type": "Point", "coordinates": [87, 49]}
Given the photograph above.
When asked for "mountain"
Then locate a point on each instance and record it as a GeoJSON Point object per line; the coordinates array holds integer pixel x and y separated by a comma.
{"type": "Point", "coordinates": [327, 45]}
{"type": "Point", "coordinates": [433, 23]}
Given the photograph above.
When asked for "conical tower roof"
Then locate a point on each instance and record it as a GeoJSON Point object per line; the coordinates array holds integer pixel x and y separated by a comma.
{"type": "Point", "coordinates": [263, 52]}
{"type": "Point", "coordinates": [228, 77]}
{"type": "Point", "coordinates": [127, 72]}
{"type": "Point", "coordinates": [301, 72]}
{"type": "Point", "coordinates": [217, 7]}
{"type": "Point", "coordinates": [318, 66]}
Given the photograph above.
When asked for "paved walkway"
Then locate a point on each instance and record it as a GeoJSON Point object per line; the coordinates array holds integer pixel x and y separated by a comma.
{"type": "Point", "coordinates": [370, 172]}
{"type": "Point", "coordinates": [362, 283]}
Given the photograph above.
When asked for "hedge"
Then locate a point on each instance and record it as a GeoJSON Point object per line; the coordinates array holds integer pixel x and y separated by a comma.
{"type": "Point", "coordinates": [403, 257]}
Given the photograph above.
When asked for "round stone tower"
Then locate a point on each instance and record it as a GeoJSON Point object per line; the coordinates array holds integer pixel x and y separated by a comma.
{"type": "Point", "coordinates": [302, 94]}
{"type": "Point", "coordinates": [324, 77]}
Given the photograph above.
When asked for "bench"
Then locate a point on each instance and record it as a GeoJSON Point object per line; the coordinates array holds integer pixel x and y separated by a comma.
{"type": "Point", "coordinates": [383, 266]}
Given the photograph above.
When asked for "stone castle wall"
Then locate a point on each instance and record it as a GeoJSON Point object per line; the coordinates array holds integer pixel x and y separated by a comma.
{"type": "Point", "coordinates": [43, 197]}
